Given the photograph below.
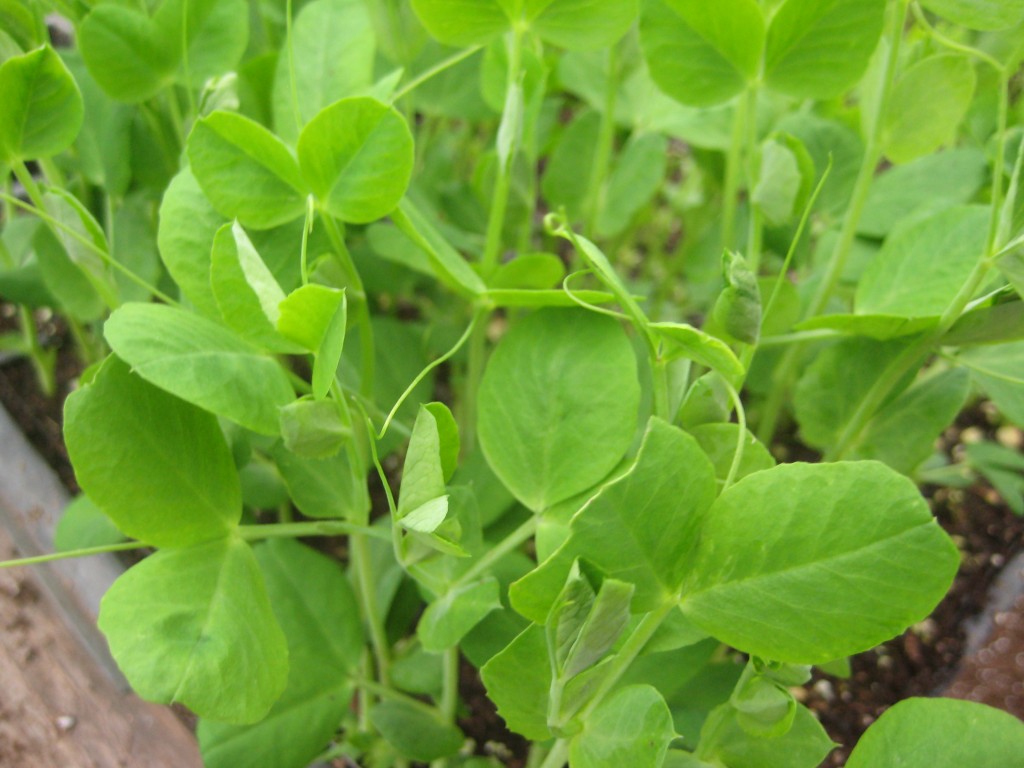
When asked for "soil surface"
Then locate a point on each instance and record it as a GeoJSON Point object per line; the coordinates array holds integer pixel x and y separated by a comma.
{"type": "Point", "coordinates": [929, 659]}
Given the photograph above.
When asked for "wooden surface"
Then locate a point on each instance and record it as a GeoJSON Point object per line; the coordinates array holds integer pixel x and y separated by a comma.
{"type": "Point", "coordinates": [63, 704]}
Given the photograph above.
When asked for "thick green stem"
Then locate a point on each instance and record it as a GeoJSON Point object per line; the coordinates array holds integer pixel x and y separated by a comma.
{"type": "Point", "coordinates": [449, 703]}
{"type": "Point", "coordinates": [594, 202]}
{"type": "Point", "coordinates": [733, 170]}
{"type": "Point", "coordinates": [42, 362]}
{"type": "Point", "coordinates": [755, 221]}
{"type": "Point", "coordinates": [558, 755]}
{"type": "Point", "coordinates": [360, 554]}
{"type": "Point", "coordinates": [511, 542]}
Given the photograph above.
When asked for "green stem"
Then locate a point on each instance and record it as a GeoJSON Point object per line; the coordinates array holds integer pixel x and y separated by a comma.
{"type": "Point", "coordinates": [310, 528]}
{"type": "Point", "coordinates": [755, 221]}
{"type": "Point", "coordinates": [366, 346]}
{"type": "Point", "coordinates": [72, 553]}
{"type": "Point", "coordinates": [659, 374]}
{"type": "Point", "coordinates": [605, 144]}
{"type": "Point", "coordinates": [434, 71]}
{"type": "Point", "coordinates": [293, 87]}
{"type": "Point", "coordinates": [733, 168]}
{"type": "Point", "coordinates": [510, 543]}
{"type": "Point", "coordinates": [42, 362]}
{"type": "Point", "coordinates": [449, 703]}
{"type": "Point", "coordinates": [558, 755]}
{"type": "Point", "coordinates": [360, 555]}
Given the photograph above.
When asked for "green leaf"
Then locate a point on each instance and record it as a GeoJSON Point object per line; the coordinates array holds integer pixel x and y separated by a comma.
{"type": "Point", "coordinates": [581, 25]}
{"type": "Point", "coordinates": [907, 280]}
{"type": "Point", "coordinates": [416, 731]}
{"type": "Point", "coordinates": [200, 362]}
{"type": "Point", "coordinates": [567, 173]}
{"type": "Point", "coordinates": [430, 459]}
{"type": "Point", "coordinates": [316, 317]}
{"type": "Point", "coordinates": [462, 22]}
{"type": "Point", "coordinates": [738, 308]}
{"type": "Point", "coordinates": [317, 610]}
{"type": "Point", "coordinates": [208, 37]}
{"type": "Point", "coordinates": [642, 528]}
{"type": "Point", "coordinates": [818, 48]}
{"type": "Point", "coordinates": [43, 107]}
{"type": "Point", "coordinates": [449, 618]}
{"type": "Point", "coordinates": [126, 52]}
{"type": "Point", "coordinates": [941, 733]}
{"type": "Point", "coordinates": [845, 556]}
{"type": "Point", "coordinates": [599, 628]}
{"type": "Point", "coordinates": [999, 371]}
{"type": "Point", "coordinates": [700, 53]}
{"type": "Point", "coordinates": [903, 433]}
{"type": "Point", "coordinates": [785, 179]}
{"type": "Point", "coordinates": [1003, 467]}
{"type": "Point", "coordinates": [635, 180]}
{"type": "Point", "coordinates": [921, 118]}
{"type": "Point", "coordinates": [979, 14]}
{"type": "Point", "coordinates": [932, 183]}
{"type": "Point", "coordinates": [987, 325]}
{"type": "Point", "coordinates": [83, 524]}
{"type": "Point", "coordinates": [245, 289]}
{"type": "Point", "coordinates": [547, 430]}
{"type": "Point", "coordinates": [185, 235]}
{"type": "Point", "coordinates": [324, 488]}
{"type": "Point", "coordinates": [448, 264]}
{"type": "Point", "coordinates": [719, 442]}
{"type": "Point", "coordinates": [631, 727]}
{"type": "Point", "coordinates": [686, 341]}
{"type": "Point", "coordinates": [175, 482]}
{"type": "Point", "coordinates": [315, 429]}
{"type": "Point", "coordinates": [518, 680]}
{"type": "Point", "coordinates": [804, 745]}
{"type": "Point", "coordinates": [357, 156]}
{"type": "Point", "coordinates": [333, 52]}
{"type": "Point", "coordinates": [64, 281]}
{"type": "Point", "coordinates": [246, 172]}
{"type": "Point", "coordinates": [530, 271]}
{"type": "Point", "coordinates": [194, 626]}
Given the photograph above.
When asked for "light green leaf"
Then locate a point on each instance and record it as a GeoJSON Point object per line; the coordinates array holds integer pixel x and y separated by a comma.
{"type": "Point", "coordinates": [932, 183]}
{"type": "Point", "coordinates": [416, 732]}
{"type": "Point", "coordinates": [194, 626]}
{"type": "Point", "coordinates": [567, 173]}
{"type": "Point", "coordinates": [83, 524]}
{"type": "Point", "coordinates": [581, 25]}
{"type": "Point", "coordinates": [642, 528]}
{"type": "Point", "coordinates": [701, 53]}
{"type": "Point", "coordinates": [208, 37]}
{"type": "Point", "coordinates": [462, 22]}
{"type": "Point", "coordinates": [999, 371]}
{"type": "Point", "coordinates": [427, 517]}
{"type": "Point", "coordinates": [941, 733]}
{"type": "Point", "coordinates": [548, 431]}
{"type": "Point", "coordinates": [200, 362]}
{"type": "Point", "coordinates": [126, 52]}
{"type": "Point", "coordinates": [804, 745]}
{"type": "Point", "coordinates": [448, 264]}
{"type": "Point", "coordinates": [357, 156]}
{"type": "Point", "coordinates": [64, 281]}
{"type": "Point", "coordinates": [845, 556]}
{"type": "Point", "coordinates": [878, 327]}
{"type": "Point", "coordinates": [602, 624]}
{"type": "Point", "coordinates": [530, 271]}
{"type": "Point", "coordinates": [922, 266]}
{"type": "Point", "coordinates": [73, 217]}
{"type": "Point", "coordinates": [175, 482]}
{"type": "Point", "coordinates": [315, 429]}
{"type": "Point", "coordinates": [987, 325]}
{"type": "Point", "coordinates": [632, 727]}
{"type": "Point", "coordinates": [518, 681]}
{"type": "Point", "coordinates": [921, 118]}
{"type": "Point", "coordinates": [43, 107]}
{"type": "Point", "coordinates": [447, 620]}
{"type": "Point", "coordinates": [316, 317]}
{"type": "Point", "coordinates": [334, 48]}
{"type": "Point", "coordinates": [903, 433]}
{"type": "Point", "coordinates": [686, 341]}
{"type": "Point", "coordinates": [737, 310]}
{"type": "Point", "coordinates": [819, 48]}
{"type": "Point", "coordinates": [785, 179]}
{"type": "Point", "coordinates": [719, 442]}
{"type": "Point", "coordinates": [188, 225]}
{"type": "Point", "coordinates": [324, 488]}
{"type": "Point", "coordinates": [317, 610]}
{"type": "Point", "coordinates": [430, 459]}
{"type": "Point", "coordinates": [636, 178]}
{"type": "Point", "coordinates": [246, 172]}
{"type": "Point", "coordinates": [979, 14]}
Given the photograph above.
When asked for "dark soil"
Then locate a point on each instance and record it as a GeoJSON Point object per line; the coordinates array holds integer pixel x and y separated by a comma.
{"type": "Point", "coordinates": [922, 662]}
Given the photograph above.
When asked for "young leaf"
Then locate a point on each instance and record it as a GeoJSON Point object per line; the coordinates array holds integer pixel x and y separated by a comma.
{"type": "Point", "coordinates": [700, 53]}
{"type": "Point", "coordinates": [518, 681]}
{"type": "Point", "coordinates": [548, 431]}
{"type": "Point", "coordinates": [907, 280]}
{"type": "Point", "coordinates": [632, 727]}
{"type": "Point", "coordinates": [202, 363]}
{"type": "Point", "coordinates": [979, 14]}
{"type": "Point", "coordinates": [719, 442]}
{"type": "Point", "coordinates": [317, 610]}
{"type": "Point", "coordinates": [83, 524]}
{"type": "Point", "coordinates": [785, 179]}
{"type": "Point", "coordinates": [357, 156]}
{"type": "Point", "coordinates": [316, 317]}
{"type": "Point", "coordinates": [449, 618]}
{"type": "Point", "coordinates": [315, 429]}
{"type": "Point", "coordinates": [738, 308]}
{"type": "Point", "coordinates": [601, 625]}
{"type": "Point", "coordinates": [64, 281]}
{"type": "Point", "coordinates": [119, 419]}
{"type": "Point", "coordinates": [208, 37]}
{"type": "Point", "coordinates": [941, 733]}
{"type": "Point", "coordinates": [581, 25]}
{"type": "Point", "coordinates": [846, 556]}
{"type": "Point", "coordinates": [462, 22]}
{"type": "Point", "coordinates": [333, 52]}
{"type": "Point", "coordinates": [684, 340]}
{"type": "Point", "coordinates": [246, 172]}
{"type": "Point", "coordinates": [126, 52]}
{"type": "Point", "coordinates": [634, 182]}
{"type": "Point", "coordinates": [816, 50]}
{"type": "Point", "coordinates": [416, 731]}
{"type": "Point", "coordinates": [324, 488]}
{"type": "Point", "coordinates": [194, 625]}
{"type": "Point", "coordinates": [999, 371]}
{"type": "Point", "coordinates": [805, 744]}
{"type": "Point", "coordinates": [430, 460]}
{"type": "Point", "coordinates": [922, 118]}
{"type": "Point", "coordinates": [43, 108]}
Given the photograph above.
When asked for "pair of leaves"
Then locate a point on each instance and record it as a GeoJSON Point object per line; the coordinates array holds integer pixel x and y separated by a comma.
{"type": "Point", "coordinates": [354, 156]}
{"type": "Point", "coordinates": [704, 54]}
{"type": "Point", "coordinates": [571, 24]}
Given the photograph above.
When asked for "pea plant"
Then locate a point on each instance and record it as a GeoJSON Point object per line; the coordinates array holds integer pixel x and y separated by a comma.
{"type": "Point", "coordinates": [433, 339]}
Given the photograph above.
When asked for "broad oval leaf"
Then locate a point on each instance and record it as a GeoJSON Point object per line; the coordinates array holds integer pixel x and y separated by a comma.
{"type": "Point", "coordinates": [581, 25]}
{"type": "Point", "coordinates": [357, 156]}
{"type": "Point", "coordinates": [126, 52]}
{"type": "Point", "coordinates": [631, 727]}
{"type": "Point", "coordinates": [702, 53]}
{"type": "Point", "coordinates": [558, 404]}
{"type": "Point", "coordinates": [449, 618]}
{"type": "Point", "coordinates": [415, 730]}
{"type": "Point", "coordinates": [941, 733]}
{"type": "Point", "coordinates": [317, 610]}
{"type": "Point", "coordinates": [207, 37]}
{"type": "Point", "coordinates": [805, 563]}
{"type": "Point", "coordinates": [201, 362]}
{"type": "Point", "coordinates": [175, 482]}
{"type": "Point", "coordinates": [818, 48]}
{"type": "Point", "coordinates": [247, 173]}
{"type": "Point", "coordinates": [42, 106]}
{"type": "Point", "coordinates": [518, 681]}
{"type": "Point", "coordinates": [195, 626]}
{"type": "Point", "coordinates": [462, 22]}
{"type": "Point", "coordinates": [979, 14]}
